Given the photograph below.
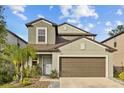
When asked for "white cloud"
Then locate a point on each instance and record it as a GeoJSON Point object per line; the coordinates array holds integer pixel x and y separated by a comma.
{"type": "Point", "coordinates": [19, 10]}
{"type": "Point", "coordinates": [22, 16]}
{"type": "Point", "coordinates": [65, 10]}
{"type": "Point", "coordinates": [40, 16]}
{"type": "Point", "coordinates": [51, 7]}
{"type": "Point", "coordinates": [109, 26]}
{"type": "Point", "coordinates": [87, 27]}
{"type": "Point", "coordinates": [119, 12]}
{"type": "Point", "coordinates": [108, 23]}
{"type": "Point", "coordinates": [108, 29]}
{"type": "Point", "coordinates": [73, 21]}
{"type": "Point", "coordinates": [85, 11]}
{"type": "Point", "coordinates": [90, 25]}
{"type": "Point", "coordinates": [83, 27]}
{"type": "Point", "coordinates": [118, 22]}
{"type": "Point", "coordinates": [75, 13]}
{"type": "Point", "coordinates": [80, 25]}
{"type": "Point", "coordinates": [78, 11]}
{"type": "Point", "coordinates": [98, 22]}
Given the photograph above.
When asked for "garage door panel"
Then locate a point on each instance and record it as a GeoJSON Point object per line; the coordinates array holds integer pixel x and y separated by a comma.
{"type": "Point", "coordinates": [66, 65]}
{"type": "Point", "coordinates": [82, 67]}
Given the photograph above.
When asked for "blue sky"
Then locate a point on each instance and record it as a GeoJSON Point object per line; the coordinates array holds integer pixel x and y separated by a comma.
{"type": "Point", "coordinates": [96, 19]}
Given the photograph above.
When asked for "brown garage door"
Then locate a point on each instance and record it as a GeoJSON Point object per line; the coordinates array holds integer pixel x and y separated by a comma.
{"type": "Point", "coordinates": [82, 67]}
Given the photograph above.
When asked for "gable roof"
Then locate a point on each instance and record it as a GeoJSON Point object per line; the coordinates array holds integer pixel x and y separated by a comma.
{"type": "Point", "coordinates": [76, 34]}
{"type": "Point", "coordinates": [88, 33]}
{"type": "Point", "coordinates": [54, 24]}
{"type": "Point", "coordinates": [107, 47]}
{"type": "Point", "coordinates": [17, 36]}
{"type": "Point", "coordinates": [45, 47]}
{"type": "Point", "coordinates": [30, 23]}
{"type": "Point", "coordinates": [112, 37]}
{"type": "Point", "coordinates": [51, 47]}
{"type": "Point", "coordinates": [55, 47]}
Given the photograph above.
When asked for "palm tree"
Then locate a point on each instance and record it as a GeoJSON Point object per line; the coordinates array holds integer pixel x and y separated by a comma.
{"type": "Point", "coordinates": [26, 52]}
{"type": "Point", "coordinates": [29, 52]}
{"type": "Point", "coordinates": [15, 56]}
{"type": "Point", "coordinates": [19, 56]}
{"type": "Point", "coordinates": [120, 28]}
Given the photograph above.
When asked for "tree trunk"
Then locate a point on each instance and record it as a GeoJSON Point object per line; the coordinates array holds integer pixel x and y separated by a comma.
{"type": "Point", "coordinates": [21, 78]}
{"type": "Point", "coordinates": [17, 72]}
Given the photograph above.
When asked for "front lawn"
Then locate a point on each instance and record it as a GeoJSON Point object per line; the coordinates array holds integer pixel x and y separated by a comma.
{"type": "Point", "coordinates": [35, 83]}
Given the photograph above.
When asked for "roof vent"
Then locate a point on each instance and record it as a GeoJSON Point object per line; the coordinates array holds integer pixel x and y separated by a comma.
{"type": "Point", "coordinates": [65, 28]}
{"type": "Point", "coordinates": [83, 46]}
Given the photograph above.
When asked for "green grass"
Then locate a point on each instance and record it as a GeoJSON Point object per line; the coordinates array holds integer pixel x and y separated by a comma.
{"type": "Point", "coordinates": [35, 83]}
{"type": "Point", "coordinates": [20, 86]}
{"type": "Point", "coordinates": [7, 86]}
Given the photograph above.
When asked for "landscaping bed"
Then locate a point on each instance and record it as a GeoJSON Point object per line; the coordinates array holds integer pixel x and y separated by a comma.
{"type": "Point", "coordinates": [35, 83]}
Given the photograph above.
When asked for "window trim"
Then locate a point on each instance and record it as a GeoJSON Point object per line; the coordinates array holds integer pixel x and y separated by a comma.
{"type": "Point", "coordinates": [37, 28]}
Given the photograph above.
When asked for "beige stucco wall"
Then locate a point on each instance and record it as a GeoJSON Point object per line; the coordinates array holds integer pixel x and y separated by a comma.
{"type": "Point", "coordinates": [13, 40]}
{"type": "Point", "coordinates": [74, 37]}
{"type": "Point", "coordinates": [69, 29]}
{"type": "Point", "coordinates": [51, 35]}
{"type": "Point", "coordinates": [91, 50]}
{"type": "Point", "coordinates": [69, 37]}
{"type": "Point", "coordinates": [119, 54]}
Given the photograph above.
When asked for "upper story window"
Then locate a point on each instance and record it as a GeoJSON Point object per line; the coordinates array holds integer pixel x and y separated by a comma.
{"type": "Point", "coordinates": [41, 35]}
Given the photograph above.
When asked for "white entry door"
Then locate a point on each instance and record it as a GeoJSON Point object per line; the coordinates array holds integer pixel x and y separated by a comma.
{"type": "Point", "coordinates": [47, 65]}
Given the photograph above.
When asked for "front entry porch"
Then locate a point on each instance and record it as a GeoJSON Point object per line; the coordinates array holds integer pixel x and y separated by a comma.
{"type": "Point", "coordinates": [44, 61]}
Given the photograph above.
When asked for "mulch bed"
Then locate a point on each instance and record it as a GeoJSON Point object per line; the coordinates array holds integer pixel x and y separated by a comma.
{"type": "Point", "coordinates": [35, 83]}
{"type": "Point", "coordinates": [38, 84]}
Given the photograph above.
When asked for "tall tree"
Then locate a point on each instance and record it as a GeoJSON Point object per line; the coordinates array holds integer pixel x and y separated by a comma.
{"type": "Point", "coordinates": [118, 29]}
{"type": "Point", "coordinates": [19, 57]}
{"type": "Point", "coordinates": [3, 31]}
{"type": "Point", "coordinates": [26, 52]}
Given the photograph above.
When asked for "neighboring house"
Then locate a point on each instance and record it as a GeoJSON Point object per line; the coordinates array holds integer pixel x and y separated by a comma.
{"type": "Point", "coordinates": [117, 42]}
{"type": "Point", "coordinates": [72, 51]}
{"type": "Point", "coordinates": [14, 39]}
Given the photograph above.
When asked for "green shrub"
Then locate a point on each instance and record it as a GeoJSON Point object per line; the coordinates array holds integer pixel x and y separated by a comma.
{"type": "Point", "coordinates": [35, 71]}
{"type": "Point", "coordinates": [27, 72]}
{"type": "Point", "coordinates": [25, 82]}
{"type": "Point", "coordinates": [7, 72]}
{"type": "Point", "coordinates": [54, 74]}
{"type": "Point", "coordinates": [121, 75]}
{"type": "Point", "coordinates": [39, 69]}
{"type": "Point", "coordinates": [116, 73]}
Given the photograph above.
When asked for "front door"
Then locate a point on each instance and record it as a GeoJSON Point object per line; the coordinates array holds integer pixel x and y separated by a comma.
{"type": "Point", "coordinates": [47, 65]}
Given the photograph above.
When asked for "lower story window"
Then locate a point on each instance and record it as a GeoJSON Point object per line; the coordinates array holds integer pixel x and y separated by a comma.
{"type": "Point", "coordinates": [34, 63]}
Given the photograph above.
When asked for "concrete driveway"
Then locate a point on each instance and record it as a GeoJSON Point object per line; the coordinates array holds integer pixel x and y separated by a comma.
{"type": "Point", "coordinates": [88, 83]}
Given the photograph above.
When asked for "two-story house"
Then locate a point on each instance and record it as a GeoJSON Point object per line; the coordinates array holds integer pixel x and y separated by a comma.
{"type": "Point", "coordinates": [72, 51]}
{"type": "Point", "coordinates": [14, 39]}
{"type": "Point", "coordinates": [116, 42]}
